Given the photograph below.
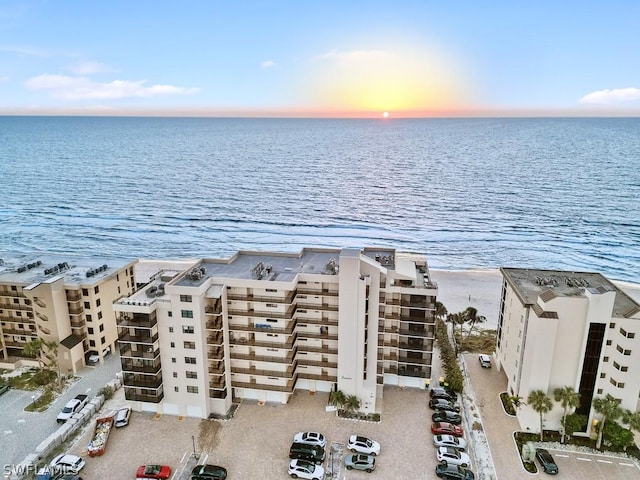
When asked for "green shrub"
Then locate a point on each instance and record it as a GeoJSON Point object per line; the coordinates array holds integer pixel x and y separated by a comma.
{"type": "Point", "coordinates": [106, 392]}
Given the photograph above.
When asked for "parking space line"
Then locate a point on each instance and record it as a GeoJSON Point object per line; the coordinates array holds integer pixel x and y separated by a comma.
{"type": "Point", "coordinates": [183, 455]}
{"type": "Point", "coordinates": [603, 461]}
{"type": "Point", "coordinates": [627, 464]}
{"type": "Point", "coordinates": [583, 459]}
{"type": "Point", "coordinates": [205, 459]}
{"type": "Point", "coordinates": [561, 455]}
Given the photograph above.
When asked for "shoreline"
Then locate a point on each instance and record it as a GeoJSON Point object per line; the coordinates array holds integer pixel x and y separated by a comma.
{"type": "Point", "coordinates": [481, 288]}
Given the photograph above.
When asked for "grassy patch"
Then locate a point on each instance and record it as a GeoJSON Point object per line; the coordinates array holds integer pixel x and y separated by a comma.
{"type": "Point", "coordinates": [24, 381]}
{"type": "Point", "coordinates": [43, 402]}
{"type": "Point", "coordinates": [483, 341]}
{"type": "Point", "coordinates": [521, 439]}
{"type": "Point", "coordinates": [505, 398]}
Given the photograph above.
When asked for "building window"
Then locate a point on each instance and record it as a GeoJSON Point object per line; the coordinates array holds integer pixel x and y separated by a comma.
{"type": "Point", "coordinates": [616, 365]}
{"type": "Point", "coordinates": [271, 305]}
{"type": "Point", "coordinates": [90, 331]}
{"type": "Point", "coordinates": [190, 345]}
{"type": "Point", "coordinates": [98, 302]}
{"type": "Point", "coordinates": [117, 277]}
{"type": "Point", "coordinates": [92, 343]}
{"type": "Point", "coordinates": [192, 374]}
{"type": "Point", "coordinates": [103, 340]}
{"type": "Point", "coordinates": [608, 343]}
{"type": "Point", "coordinates": [85, 292]}
{"type": "Point", "coordinates": [186, 313]}
{"type": "Point", "coordinates": [624, 369]}
{"type": "Point", "coordinates": [185, 298]}
{"type": "Point", "coordinates": [176, 389]}
{"type": "Point", "coordinates": [599, 391]}
{"type": "Point", "coordinates": [101, 327]}
{"type": "Point", "coordinates": [99, 315]}
{"type": "Point", "coordinates": [170, 314]}
{"type": "Point", "coordinates": [175, 374]}
{"type": "Point", "coordinates": [118, 289]}
{"type": "Point", "coordinates": [173, 359]}
{"type": "Point", "coordinates": [190, 360]}
{"type": "Point", "coordinates": [627, 352]}
{"type": "Point", "coordinates": [192, 389]}
{"type": "Point", "coordinates": [627, 334]}
{"type": "Point", "coordinates": [173, 344]}
{"type": "Point", "coordinates": [603, 375]}
{"type": "Point", "coordinates": [187, 329]}
{"type": "Point", "coordinates": [619, 348]}
{"type": "Point", "coordinates": [170, 329]}
{"type": "Point", "coordinates": [605, 359]}
{"type": "Point", "coordinates": [96, 290]}
{"type": "Point", "coordinates": [274, 290]}
{"type": "Point", "coordinates": [87, 305]}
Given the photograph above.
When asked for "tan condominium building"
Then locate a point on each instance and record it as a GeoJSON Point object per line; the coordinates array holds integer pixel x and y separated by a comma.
{"type": "Point", "coordinates": [62, 299]}
{"type": "Point", "coordinates": [260, 325]}
{"type": "Point", "coordinates": [575, 329]}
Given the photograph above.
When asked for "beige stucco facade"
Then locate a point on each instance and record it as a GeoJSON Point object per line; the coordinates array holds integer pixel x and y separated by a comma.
{"type": "Point", "coordinates": [259, 325]}
{"type": "Point", "coordinates": [574, 329]}
{"type": "Point", "coordinates": [62, 299]}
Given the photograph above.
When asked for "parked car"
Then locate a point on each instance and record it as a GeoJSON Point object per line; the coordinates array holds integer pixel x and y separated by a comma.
{"type": "Point", "coordinates": [447, 416]}
{"type": "Point", "coordinates": [4, 388]}
{"type": "Point", "coordinates": [453, 456]}
{"type": "Point", "coordinates": [445, 428]}
{"type": "Point", "coordinates": [312, 438]}
{"type": "Point", "coordinates": [95, 358]}
{"type": "Point", "coordinates": [153, 471]}
{"type": "Point", "coordinates": [454, 472]}
{"type": "Point", "coordinates": [546, 461]}
{"type": "Point", "coordinates": [122, 417]}
{"type": "Point", "coordinates": [442, 392]}
{"type": "Point", "coordinates": [306, 470]}
{"type": "Point", "coordinates": [359, 461]}
{"type": "Point", "coordinates": [364, 445]}
{"type": "Point", "coordinates": [208, 472]}
{"type": "Point", "coordinates": [305, 451]}
{"type": "Point", "coordinates": [450, 441]}
{"type": "Point", "coordinates": [73, 406]}
{"type": "Point", "coordinates": [485, 361]}
{"type": "Point", "coordinates": [66, 463]}
{"type": "Point", "coordinates": [443, 404]}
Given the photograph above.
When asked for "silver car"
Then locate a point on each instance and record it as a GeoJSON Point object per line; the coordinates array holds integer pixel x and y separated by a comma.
{"type": "Point", "coordinates": [450, 441]}
{"type": "Point", "coordinates": [359, 461]}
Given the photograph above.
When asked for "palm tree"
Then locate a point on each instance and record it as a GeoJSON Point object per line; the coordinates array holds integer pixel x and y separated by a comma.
{"type": "Point", "coordinates": [34, 349]}
{"type": "Point", "coordinates": [337, 398]}
{"type": "Point", "coordinates": [568, 398]}
{"type": "Point", "coordinates": [352, 404]}
{"type": "Point", "coordinates": [609, 408]}
{"type": "Point", "coordinates": [441, 310]}
{"type": "Point", "coordinates": [632, 419]}
{"type": "Point", "coordinates": [517, 401]}
{"type": "Point", "coordinates": [541, 403]}
{"type": "Point", "coordinates": [472, 318]}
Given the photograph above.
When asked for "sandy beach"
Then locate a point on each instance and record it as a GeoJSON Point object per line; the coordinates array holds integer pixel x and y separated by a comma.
{"type": "Point", "coordinates": [459, 289]}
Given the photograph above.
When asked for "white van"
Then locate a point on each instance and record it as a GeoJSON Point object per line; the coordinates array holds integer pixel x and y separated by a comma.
{"type": "Point", "coordinates": [485, 360]}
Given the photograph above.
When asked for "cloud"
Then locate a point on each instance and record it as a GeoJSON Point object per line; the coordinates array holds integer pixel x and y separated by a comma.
{"type": "Point", "coordinates": [614, 96]}
{"type": "Point", "coordinates": [268, 64]}
{"type": "Point", "coordinates": [81, 88]}
{"type": "Point", "coordinates": [90, 68]}
{"type": "Point", "coordinates": [355, 55]}
{"type": "Point", "coordinates": [27, 51]}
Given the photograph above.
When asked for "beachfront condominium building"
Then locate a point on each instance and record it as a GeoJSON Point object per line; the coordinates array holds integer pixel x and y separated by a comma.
{"type": "Point", "coordinates": [560, 329]}
{"type": "Point", "coordinates": [65, 300]}
{"type": "Point", "coordinates": [260, 325]}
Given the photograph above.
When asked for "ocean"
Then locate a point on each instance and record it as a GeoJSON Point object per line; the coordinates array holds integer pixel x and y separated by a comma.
{"type": "Point", "coordinates": [558, 193]}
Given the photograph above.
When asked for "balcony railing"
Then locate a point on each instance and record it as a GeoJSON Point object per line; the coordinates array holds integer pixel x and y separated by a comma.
{"type": "Point", "coordinates": [414, 360]}
{"type": "Point", "coordinates": [262, 358]}
{"type": "Point", "coordinates": [325, 336]}
{"type": "Point", "coordinates": [218, 393]}
{"type": "Point", "coordinates": [132, 367]}
{"type": "Point", "coordinates": [265, 386]}
{"type": "Point", "coordinates": [416, 333]}
{"type": "Point", "coordinates": [263, 299]}
{"type": "Point", "coordinates": [11, 293]}
{"type": "Point", "coordinates": [317, 376]}
{"type": "Point", "coordinates": [125, 321]}
{"type": "Point", "coordinates": [416, 318]}
{"type": "Point", "coordinates": [139, 338]}
{"type": "Point", "coordinates": [73, 296]}
{"type": "Point", "coordinates": [421, 373]}
{"type": "Point", "coordinates": [316, 363]}
{"type": "Point", "coordinates": [218, 370]}
{"type": "Point", "coordinates": [214, 324]}
{"type": "Point", "coordinates": [137, 397]}
{"type": "Point", "coordinates": [128, 352]}
{"type": "Point", "coordinates": [423, 346]}
{"type": "Point", "coordinates": [288, 330]}
{"type": "Point", "coordinates": [263, 314]}
{"type": "Point", "coordinates": [288, 373]}
{"type": "Point", "coordinates": [15, 331]}
{"type": "Point", "coordinates": [288, 344]}
{"type": "Point", "coordinates": [303, 346]}
{"type": "Point", "coordinates": [216, 354]}
{"type": "Point", "coordinates": [15, 306]}
{"type": "Point", "coordinates": [146, 381]}
{"type": "Point", "coordinates": [301, 319]}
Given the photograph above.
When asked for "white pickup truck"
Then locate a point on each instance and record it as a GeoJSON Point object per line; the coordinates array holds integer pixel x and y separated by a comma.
{"type": "Point", "coordinates": [72, 407]}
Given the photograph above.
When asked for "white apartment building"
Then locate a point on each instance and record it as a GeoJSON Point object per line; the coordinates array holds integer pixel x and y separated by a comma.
{"type": "Point", "coordinates": [259, 325]}
{"type": "Point", "coordinates": [65, 299]}
{"type": "Point", "coordinates": [560, 329]}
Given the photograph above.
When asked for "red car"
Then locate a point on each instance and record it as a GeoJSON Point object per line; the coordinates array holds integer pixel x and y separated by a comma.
{"type": "Point", "coordinates": [444, 428]}
{"type": "Point", "coordinates": [153, 471]}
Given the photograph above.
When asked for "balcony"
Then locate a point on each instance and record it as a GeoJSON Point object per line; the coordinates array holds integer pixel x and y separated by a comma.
{"type": "Point", "coordinates": [127, 321]}
{"type": "Point", "coordinates": [288, 344]}
{"type": "Point", "coordinates": [146, 381]}
{"type": "Point", "coordinates": [15, 306]}
{"type": "Point", "coordinates": [288, 373]}
{"type": "Point", "coordinates": [73, 296]}
{"type": "Point", "coordinates": [138, 395]}
{"type": "Point", "coordinates": [258, 327]}
{"type": "Point", "coordinates": [264, 314]}
{"type": "Point", "coordinates": [265, 386]}
{"type": "Point", "coordinates": [218, 393]}
{"type": "Point", "coordinates": [141, 337]}
{"type": "Point", "coordinates": [417, 344]}
{"type": "Point", "coordinates": [316, 363]}
{"type": "Point", "coordinates": [11, 293]}
{"type": "Point", "coordinates": [416, 318]}
{"type": "Point", "coordinates": [216, 354]}
{"type": "Point", "coordinates": [317, 292]}
{"type": "Point", "coordinates": [262, 299]}
{"type": "Point", "coordinates": [391, 356]}
{"type": "Point", "coordinates": [415, 360]}
{"type": "Point", "coordinates": [215, 339]}
{"type": "Point", "coordinates": [217, 368]}
{"type": "Point", "coordinates": [414, 332]}
{"type": "Point", "coordinates": [214, 324]}
{"type": "Point", "coordinates": [15, 331]}
{"type": "Point", "coordinates": [126, 351]}
{"type": "Point", "coordinates": [77, 323]}
{"type": "Point", "coordinates": [417, 301]}
{"type": "Point", "coordinates": [218, 385]}
{"type": "Point", "coordinates": [393, 369]}
{"type": "Point", "coordinates": [263, 358]}
{"type": "Point", "coordinates": [415, 372]}
{"type": "Point", "coordinates": [323, 335]}
{"type": "Point", "coordinates": [303, 346]}
{"type": "Point", "coordinates": [75, 310]}
{"type": "Point", "coordinates": [317, 376]}
{"type": "Point", "coordinates": [313, 306]}
{"type": "Point", "coordinates": [315, 321]}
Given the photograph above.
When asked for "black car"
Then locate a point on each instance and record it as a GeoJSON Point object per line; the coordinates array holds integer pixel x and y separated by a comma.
{"type": "Point", "coordinates": [446, 416]}
{"type": "Point", "coordinates": [441, 392]}
{"type": "Point", "coordinates": [305, 451]}
{"type": "Point", "coordinates": [454, 472]}
{"type": "Point", "coordinates": [208, 472]}
{"type": "Point", "coordinates": [443, 404]}
{"type": "Point", "coordinates": [546, 460]}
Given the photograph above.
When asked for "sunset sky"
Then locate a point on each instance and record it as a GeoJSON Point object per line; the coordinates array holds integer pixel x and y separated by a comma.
{"type": "Point", "coordinates": [329, 58]}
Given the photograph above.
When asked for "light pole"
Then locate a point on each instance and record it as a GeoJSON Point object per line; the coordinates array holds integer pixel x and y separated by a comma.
{"type": "Point", "coordinates": [33, 401]}
{"type": "Point", "coordinates": [193, 439]}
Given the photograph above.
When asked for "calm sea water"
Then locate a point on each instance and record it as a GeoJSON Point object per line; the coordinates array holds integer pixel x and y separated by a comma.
{"type": "Point", "coordinates": [469, 193]}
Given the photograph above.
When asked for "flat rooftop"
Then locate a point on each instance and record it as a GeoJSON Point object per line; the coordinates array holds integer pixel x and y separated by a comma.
{"type": "Point", "coordinates": [530, 283]}
{"type": "Point", "coordinates": [76, 270]}
{"type": "Point", "coordinates": [268, 266]}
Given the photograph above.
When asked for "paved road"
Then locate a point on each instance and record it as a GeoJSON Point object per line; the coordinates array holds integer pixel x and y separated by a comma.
{"type": "Point", "coordinates": [21, 432]}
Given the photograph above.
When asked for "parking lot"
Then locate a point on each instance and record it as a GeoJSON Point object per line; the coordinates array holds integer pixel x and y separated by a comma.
{"type": "Point", "coordinates": [255, 443]}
